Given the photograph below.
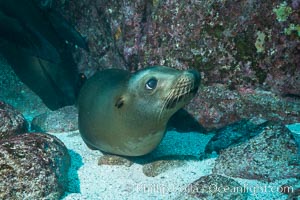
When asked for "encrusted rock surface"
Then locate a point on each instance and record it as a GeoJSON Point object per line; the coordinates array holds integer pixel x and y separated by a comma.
{"type": "Point", "coordinates": [240, 45]}
{"type": "Point", "coordinates": [214, 187]}
{"type": "Point", "coordinates": [233, 43]}
{"type": "Point", "coordinates": [217, 106]}
{"type": "Point", "coordinates": [33, 166]}
{"type": "Point", "coordinates": [270, 156]}
{"type": "Point", "coordinates": [61, 120]}
{"type": "Point", "coordinates": [295, 129]}
{"type": "Point", "coordinates": [12, 122]}
{"type": "Point", "coordinates": [292, 189]}
{"type": "Point", "coordinates": [234, 134]}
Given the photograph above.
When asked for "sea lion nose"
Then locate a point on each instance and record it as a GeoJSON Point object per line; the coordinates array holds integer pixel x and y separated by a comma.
{"type": "Point", "coordinates": [197, 76]}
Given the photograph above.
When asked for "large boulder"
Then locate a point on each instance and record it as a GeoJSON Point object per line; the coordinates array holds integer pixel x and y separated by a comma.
{"type": "Point", "coordinates": [234, 134]}
{"type": "Point", "coordinates": [33, 166]}
{"type": "Point", "coordinates": [217, 106]}
{"type": "Point", "coordinates": [12, 122]}
{"type": "Point", "coordinates": [61, 120]}
{"type": "Point", "coordinates": [270, 156]}
{"type": "Point", "coordinates": [233, 43]}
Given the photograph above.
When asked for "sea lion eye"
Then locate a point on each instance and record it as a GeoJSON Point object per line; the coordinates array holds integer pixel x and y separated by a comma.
{"type": "Point", "coordinates": [151, 84]}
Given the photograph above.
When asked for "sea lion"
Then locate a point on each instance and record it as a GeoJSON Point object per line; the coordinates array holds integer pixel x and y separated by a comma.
{"type": "Point", "coordinates": [127, 114]}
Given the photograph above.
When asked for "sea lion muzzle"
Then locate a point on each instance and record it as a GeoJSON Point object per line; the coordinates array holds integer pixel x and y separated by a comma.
{"type": "Point", "coordinates": [187, 85]}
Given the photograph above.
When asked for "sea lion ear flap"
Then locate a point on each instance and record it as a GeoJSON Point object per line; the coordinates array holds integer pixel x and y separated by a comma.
{"type": "Point", "coordinates": [120, 102]}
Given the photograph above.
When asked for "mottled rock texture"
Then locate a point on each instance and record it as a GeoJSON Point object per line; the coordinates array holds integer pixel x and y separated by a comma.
{"type": "Point", "coordinates": [234, 134]}
{"type": "Point", "coordinates": [214, 187]}
{"type": "Point", "coordinates": [291, 188]}
{"type": "Point", "coordinates": [61, 120]}
{"type": "Point", "coordinates": [12, 122]}
{"type": "Point", "coordinates": [241, 45]}
{"type": "Point", "coordinates": [234, 43]}
{"type": "Point", "coordinates": [270, 156]}
{"type": "Point", "coordinates": [33, 166]}
{"type": "Point", "coordinates": [217, 106]}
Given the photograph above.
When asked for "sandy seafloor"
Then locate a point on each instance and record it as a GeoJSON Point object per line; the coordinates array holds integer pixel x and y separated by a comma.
{"type": "Point", "coordinates": [88, 180]}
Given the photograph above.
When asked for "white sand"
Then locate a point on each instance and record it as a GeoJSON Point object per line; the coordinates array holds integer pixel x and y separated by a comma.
{"type": "Point", "coordinates": [120, 182]}
{"type": "Point", "coordinates": [90, 181]}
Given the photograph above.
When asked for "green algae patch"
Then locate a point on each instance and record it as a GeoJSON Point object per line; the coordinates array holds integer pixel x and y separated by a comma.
{"type": "Point", "coordinates": [260, 41]}
{"type": "Point", "coordinates": [283, 11]}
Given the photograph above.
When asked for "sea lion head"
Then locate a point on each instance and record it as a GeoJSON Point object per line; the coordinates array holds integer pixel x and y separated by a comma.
{"type": "Point", "coordinates": [161, 91]}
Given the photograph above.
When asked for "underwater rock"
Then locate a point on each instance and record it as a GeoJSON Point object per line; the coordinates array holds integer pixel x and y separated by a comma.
{"type": "Point", "coordinates": [215, 187]}
{"type": "Point", "coordinates": [114, 160]}
{"type": "Point", "coordinates": [270, 156]}
{"type": "Point", "coordinates": [292, 189]}
{"type": "Point", "coordinates": [242, 51]}
{"type": "Point", "coordinates": [234, 134]}
{"type": "Point", "coordinates": [61, 120]}
{"type": "Point", "coordinates": [269, 106]}
{"type": "Point", "coordinates": [233, 43]}
{"type": "Point", "coordinates": [12, 122]}
{"type": "Point", "coordinates": [217, 106]}
{"type": "Point", "coordinates": [33, 166]}
{"type": "Point", "coordinates": [295, 129]}
{"type": "Point", "coordinates": [163, 164]}
{"type": "Point", "coordinates": [294, 195]}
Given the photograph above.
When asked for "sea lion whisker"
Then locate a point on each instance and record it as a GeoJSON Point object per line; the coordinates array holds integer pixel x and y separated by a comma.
{"type": "Point", "coordinates": [169, 97]}
{"type": "Point", "coordinates": [165, 102]}
{"type": "Point", "coordinates": [161, 111]}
